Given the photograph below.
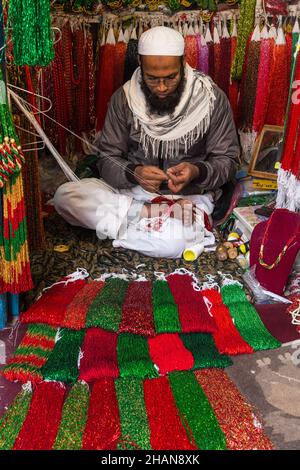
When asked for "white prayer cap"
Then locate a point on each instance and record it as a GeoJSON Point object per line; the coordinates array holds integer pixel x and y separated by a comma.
{"type": "Point", "coordinates": [161, 40]}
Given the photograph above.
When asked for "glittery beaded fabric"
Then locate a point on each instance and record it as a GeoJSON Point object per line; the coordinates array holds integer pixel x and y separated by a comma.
{"type": "Point", "coordinates": [184, 411]}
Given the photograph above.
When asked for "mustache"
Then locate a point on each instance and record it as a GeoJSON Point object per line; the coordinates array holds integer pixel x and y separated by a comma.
{"type": "Point", "coordinates": [164, 106]}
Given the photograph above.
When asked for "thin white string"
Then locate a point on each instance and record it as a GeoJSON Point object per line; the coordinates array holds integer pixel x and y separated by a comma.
{"type": "Point", "coordinates": [21, 102]}
{"type": "Point", "coordinates": [14, 332]}
{"type": "Point", "coordinates": [296, 314]}
{"type": "Point", "coordinates": [80, 356]}
{"type": "Point", "coordinates": [211, 283]}
{"type": "Point", "coordinates": [160, 275]}
{"type": "Point", "coordinates": [227, 280]}
{"type": "Point", "coordinates": [27, 387]}
{"type": "Point", "coordinates": [208, 304]}
{"type": "Point", "coordinates": [80, 273]}
{"type": "Point", "coordinates": [58, 335]}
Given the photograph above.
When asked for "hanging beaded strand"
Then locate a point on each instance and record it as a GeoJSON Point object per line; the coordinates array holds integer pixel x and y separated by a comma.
{"type": "Point", "coordinates": [31, 32]}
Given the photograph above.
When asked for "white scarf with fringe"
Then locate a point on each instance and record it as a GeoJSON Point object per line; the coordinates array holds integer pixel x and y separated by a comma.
{"type": "Point", "coordinates": [189, 122]}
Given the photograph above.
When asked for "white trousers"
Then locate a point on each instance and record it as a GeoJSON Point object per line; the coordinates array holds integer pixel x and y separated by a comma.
{"type": "Point", "coordinates": [89, 203]}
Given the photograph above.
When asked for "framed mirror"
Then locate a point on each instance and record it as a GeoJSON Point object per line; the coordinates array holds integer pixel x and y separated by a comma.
{"type": "Point", "coordinates": [267, 153]}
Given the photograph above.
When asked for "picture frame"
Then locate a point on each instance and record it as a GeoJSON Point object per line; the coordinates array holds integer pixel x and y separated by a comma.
{"type": "Point", "coordinates": [267, 153]}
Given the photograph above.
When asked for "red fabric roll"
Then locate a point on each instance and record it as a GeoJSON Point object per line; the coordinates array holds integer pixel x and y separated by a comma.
{"type": "Point", "coordinates": [137, 312]}
{"type": "Point", "coordinates": [99, 355]}
{"type": "Point", "coordinates": [76, 311]}
{"type": "Point", "coordinates": [166, 429]}
{"type": "Point", "coordinates": [103, 429]}
{"type": "Point", "coordinates": [168, 353]}
{"type": "Point", "coordinates": [193, 313]}
{"type": "Point", "coordinates": [42, 421]}
{"type": "Point", "coordinates": [52, 306]}
{"type": "Point", "coordinates": [227, 338]}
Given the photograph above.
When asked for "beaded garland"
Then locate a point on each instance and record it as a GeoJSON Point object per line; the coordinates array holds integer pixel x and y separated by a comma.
{"type": "Point", "coordinates": [186, 411]}
{"type": "Point", "coordinates": [130, 406]}
{"type": "Point", "coordinates": [31, 32]}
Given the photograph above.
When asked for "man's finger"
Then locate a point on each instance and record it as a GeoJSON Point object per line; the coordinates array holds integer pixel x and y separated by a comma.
{"type": "Point", "coordinates": [157, 177]}
{"type": "Point", "coordinates": [176, 168]}
{"type": "Point", "coordinates": [180, 179]}
{"type": "Point", "coordinates": [175, 188]}
{"type": "Point", "coordinates": [151, 186]}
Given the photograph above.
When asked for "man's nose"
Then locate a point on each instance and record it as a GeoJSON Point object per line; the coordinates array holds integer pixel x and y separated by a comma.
{"type": "Point", "coordinates": [162, 86]}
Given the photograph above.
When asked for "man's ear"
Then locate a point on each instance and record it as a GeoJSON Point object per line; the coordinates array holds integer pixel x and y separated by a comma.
{"type": "Point", "coordinates": [183, 60]}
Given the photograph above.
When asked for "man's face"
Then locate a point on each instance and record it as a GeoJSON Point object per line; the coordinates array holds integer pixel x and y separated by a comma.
{"type": "Point", "coordinates": [162, 82]}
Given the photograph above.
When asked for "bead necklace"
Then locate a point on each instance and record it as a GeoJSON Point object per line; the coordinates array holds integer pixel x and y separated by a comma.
{"type": "Point", "coordinates": [283, 251]}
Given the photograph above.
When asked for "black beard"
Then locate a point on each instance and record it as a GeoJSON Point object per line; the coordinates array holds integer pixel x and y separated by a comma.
{"type": "Point", "coordinates": [164, 106]}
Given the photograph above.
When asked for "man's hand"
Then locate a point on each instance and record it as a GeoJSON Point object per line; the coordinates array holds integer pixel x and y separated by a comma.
{"type": "Point", "coordinates": [150, 177]}
{"type": "Point", "coordinates": [181, 175]}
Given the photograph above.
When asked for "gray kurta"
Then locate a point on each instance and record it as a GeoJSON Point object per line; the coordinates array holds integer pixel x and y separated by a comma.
{"type": "Point", "coordinates": [218, 150]}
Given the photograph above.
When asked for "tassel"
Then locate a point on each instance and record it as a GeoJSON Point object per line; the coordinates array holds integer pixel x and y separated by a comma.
{"type": "Point", "coordinates": [227, 338]}
{"type": "Point", "coordinates": [193, 313]}
{"type": "Point", "coordinates": [106, 310]}
{"type": "Point", "coordinates": [217, 57]}
{"type": "Point", "coordinates": [133, 415]}
{"type": "Point", "coordinates": [196, 412]}
{"type": "Point", "coordinates": [279, 83]}
{"type": "Point", "coordinates": [76, 312]}
{"type": "Point", "coordinates": [31, 354]}
{"type": "Point", "coordinates": [203, 348]}
{"type": "Point", "coordinates": [134, 358]}
{"type": "Point", "coordinates": [225, 57]}
{"type": "Point", "coordinates": [167, 432]}
{"type": "Point", "coordinates": [51, 307]}
{"type": "Point", "coordinates": [105, 79]}
{"type": "Point", "coordinates": [131, 59]}
{"type": "Point", "coordinates": [249, 88]}
{"type": "Point", "coordinates": [235, 416]}
{"type": "Point", "coordinates": [99, 355]}
{"type": "Point", "coordinates": [12, 421]}
{"type": "Point", "coordinates": [263, 84]}
{"type": "Point", "coordinates": [191, 50]}
{"type": "Point", "coordinates": [42, 421]}
{"type": "Point", "coordinates": [103, 429]}
{"type": "Point", "coordinates": [246, 23]}
{"type": "Point", "coordinates": [168, 353]}
{"type": "Point", "coordinates": [165, 310]}
{"type": "Point", "coordinates": [62, 364]}
{"type": "Point", "coordinates": [120, 53]}
{"type": "Point", "coordinates": [137, 315]}
{"type": "Point", "coordinates": [203, 55]}
{"type": "Point", "coordinates": [247, 320]}
{"type": "Point", "coordinates": [74, 417]}
{"type": "Point", "coordinates": [291, 128]}
{"type": "Point", "coordinates": [289, 53]}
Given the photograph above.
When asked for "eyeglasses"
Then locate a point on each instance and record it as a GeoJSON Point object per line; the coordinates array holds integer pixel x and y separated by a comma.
{"type": "Point", "coordinates": [167, 81]}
